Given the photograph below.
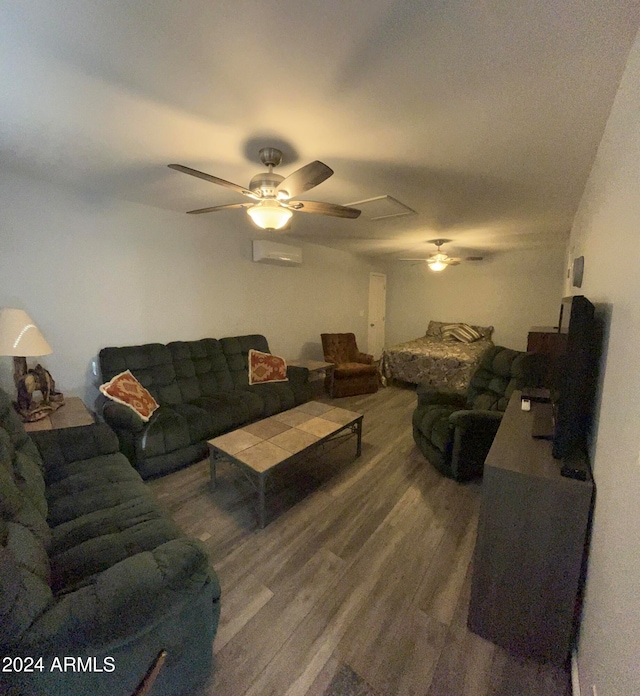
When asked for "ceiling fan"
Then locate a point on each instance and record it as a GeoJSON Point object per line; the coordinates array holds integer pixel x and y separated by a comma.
{"type": "Point", "coordinates": [272, 194]}
{"type": "Point", "coordinates": [439, 261]}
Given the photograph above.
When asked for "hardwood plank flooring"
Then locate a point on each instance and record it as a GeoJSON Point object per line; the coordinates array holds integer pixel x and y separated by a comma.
{"type": "Point", "coordinates": [364, 570]}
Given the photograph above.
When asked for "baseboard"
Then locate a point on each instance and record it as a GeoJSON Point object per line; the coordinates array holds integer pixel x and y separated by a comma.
{"type": "Point", "coordinates": [575, 675]}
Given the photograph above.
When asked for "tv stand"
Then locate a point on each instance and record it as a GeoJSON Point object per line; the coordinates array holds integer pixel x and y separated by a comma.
{"type": "Point", "coordinates": [531, 543]}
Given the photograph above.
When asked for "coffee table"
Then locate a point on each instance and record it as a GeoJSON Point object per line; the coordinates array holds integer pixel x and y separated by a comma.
{"type": "Point", "coordinates": [262, 447]}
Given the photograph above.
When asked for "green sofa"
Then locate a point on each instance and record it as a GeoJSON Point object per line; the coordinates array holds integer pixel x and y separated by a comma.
{"type": "Point", "coordinates": [455, 432]}
{"type": "Point", "coordinates": [95, 578]}
{"type": "Point", "coordinates": [203, 390]}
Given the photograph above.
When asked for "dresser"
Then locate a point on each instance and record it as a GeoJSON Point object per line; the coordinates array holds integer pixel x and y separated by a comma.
{"type": "Point", "coordinates": [530, 553]}
{"type": "Point", "coordinates": [549, 344]}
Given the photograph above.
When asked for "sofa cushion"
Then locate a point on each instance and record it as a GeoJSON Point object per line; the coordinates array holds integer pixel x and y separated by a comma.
{"type": "Point", "coordinates": [23, 594]}
{"type": "Point", "coordinates": [274, 397]}
{"type": "Point", "coordinates": [229, 410]}
{"type": "Point", "coordinates": [101, 512]}
{"type": "Point", "coordinates": [236, 350]}
{"type": "Point", "coordinates": [125, 389]}
{"type": "Point", "coordinates": [347, 370]}
{"type": "Point", "coordinates": [200, 367]}
{"type": "Point", "coordinates": [152, 365]}
{"type": "Point", "coordinates": [501, 371]}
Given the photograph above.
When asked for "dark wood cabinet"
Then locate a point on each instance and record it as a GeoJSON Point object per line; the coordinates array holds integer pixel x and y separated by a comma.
{"type": "Point", "coordinates": [531, 543]}
{"type": "Point", "coordinates": [550, 345]}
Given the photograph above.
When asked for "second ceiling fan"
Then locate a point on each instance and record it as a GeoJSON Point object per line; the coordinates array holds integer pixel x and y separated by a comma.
{"type": "Point", "coordinates": [272, 194]}
{"type": "Point", "coordinates": [439, 260]}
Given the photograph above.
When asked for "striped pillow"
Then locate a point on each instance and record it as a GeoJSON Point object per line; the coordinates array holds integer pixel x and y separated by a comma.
{"type": "Point", "coordinates": [460, 332]}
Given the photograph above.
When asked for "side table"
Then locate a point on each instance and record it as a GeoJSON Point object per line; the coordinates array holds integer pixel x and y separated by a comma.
{"type": "Point", "coordinates": [318, 370]}
{"type": "Point", "coordinates": [71, 414]}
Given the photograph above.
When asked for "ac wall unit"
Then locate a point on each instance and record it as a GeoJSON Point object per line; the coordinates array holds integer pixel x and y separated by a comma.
{"type": "Point", "coordinates": [266, 251]}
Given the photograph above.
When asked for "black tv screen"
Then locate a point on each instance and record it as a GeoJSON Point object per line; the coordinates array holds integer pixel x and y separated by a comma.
{"type": "Point", "coordinates": [576, 388]}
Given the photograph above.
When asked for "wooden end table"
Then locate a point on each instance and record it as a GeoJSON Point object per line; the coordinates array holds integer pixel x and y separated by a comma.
{"type": "Point", "coordinates": [262, 447]}
{"type": "Point", "coordinates": [318, 370]}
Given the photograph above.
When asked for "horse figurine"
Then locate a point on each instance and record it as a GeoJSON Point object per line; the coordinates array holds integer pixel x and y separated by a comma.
{"type": "Point", "coordinates": [33, 380]}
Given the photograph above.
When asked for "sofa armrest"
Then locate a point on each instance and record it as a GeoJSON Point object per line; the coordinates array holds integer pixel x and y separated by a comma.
{"type": "Point", "coordinates": [58, 447]}
{"type": "Point", "coordinates": [121, 417]}
{"type": "Point", "coordinates": [476, 420]}
{"type": "Point", "coordinates": [298, 374]}
{"type": "Point", "coordinates": [128, 598]}
{"type": "Point", "coordinates": [427, 397]}
{"type": "Point", "coordinates": [473, 436]}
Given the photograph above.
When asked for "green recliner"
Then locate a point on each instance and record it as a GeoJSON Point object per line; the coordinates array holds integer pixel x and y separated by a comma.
{"type": "Point", "coordinates": [455, 432]}
{"type": "Point", "coordinates": [95, 577]}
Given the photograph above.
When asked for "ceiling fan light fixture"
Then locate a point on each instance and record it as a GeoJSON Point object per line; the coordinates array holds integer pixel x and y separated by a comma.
{"type": "Point", "coordinates": [436, 265]}
{"type": "Point", "coordinates": [438, 262]}
{"type": "Point", "coordinates": [270, 215]}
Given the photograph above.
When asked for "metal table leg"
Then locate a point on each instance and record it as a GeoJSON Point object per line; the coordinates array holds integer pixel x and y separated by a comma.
{"type": "Point", "coordinates": [358, 438]}
{"type": "Point", "coordinates": [212, 466]}
{"type": "Point", "coordinates": [262, 512]}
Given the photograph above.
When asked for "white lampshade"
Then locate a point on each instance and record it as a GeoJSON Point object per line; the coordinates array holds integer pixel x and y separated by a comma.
{"type": "Point", "coordinates": [270, 215]}
{"type": "Point", "coordinates": [19, 336]}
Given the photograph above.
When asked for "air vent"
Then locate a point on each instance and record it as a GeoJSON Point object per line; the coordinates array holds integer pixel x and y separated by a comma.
{"type": "Point", "coordinates": [382, 207]}
{"type": "Point", "coordinates": [265, 251]}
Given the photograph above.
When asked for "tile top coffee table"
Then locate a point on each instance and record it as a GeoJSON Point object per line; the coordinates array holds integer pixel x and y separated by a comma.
{"type": "Point", "coordinates": [261, 447]}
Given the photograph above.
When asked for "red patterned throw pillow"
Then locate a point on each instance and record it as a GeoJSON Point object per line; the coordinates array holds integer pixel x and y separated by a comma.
{"type": "Point", "coordinates": [264, 367]}
{"type": "Point", "coordinates": [125, 389]}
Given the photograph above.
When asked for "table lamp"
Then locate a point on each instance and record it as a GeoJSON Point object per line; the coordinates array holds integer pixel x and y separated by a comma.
{"type": "Point", "coordinates": [21, 338]}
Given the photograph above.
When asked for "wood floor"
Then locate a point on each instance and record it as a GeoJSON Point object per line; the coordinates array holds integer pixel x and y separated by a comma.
{"type": "Point", "coordinates": [365, 563]}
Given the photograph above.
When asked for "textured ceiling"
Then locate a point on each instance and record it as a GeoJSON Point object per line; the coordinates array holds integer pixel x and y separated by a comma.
{"type": "Point", "coordinates": [481, 115]}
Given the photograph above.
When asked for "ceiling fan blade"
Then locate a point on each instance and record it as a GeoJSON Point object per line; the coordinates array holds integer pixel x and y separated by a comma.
{"type": "Point", "coordinates": [425, 260]}
{"type": "Point", "coordinates": [214, 180]}
{"type": "Point", "coordinates": [218, 207]}
{"type": "Point", "coordinates": [324, 209]}
{"type": "Point", "coordinates": [303, 179]}
{"type": "Point", "coordinates": [474, 258]}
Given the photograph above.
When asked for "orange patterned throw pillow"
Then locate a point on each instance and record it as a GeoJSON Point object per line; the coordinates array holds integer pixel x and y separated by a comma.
{"type": "Point", "coordinates": [125, 389]}
{"type": "Point", "coordinates": [264, 367]}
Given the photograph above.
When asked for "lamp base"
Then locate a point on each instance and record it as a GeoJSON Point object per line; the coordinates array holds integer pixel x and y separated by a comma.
{"type": "Point", "coordinates": [30, 381]}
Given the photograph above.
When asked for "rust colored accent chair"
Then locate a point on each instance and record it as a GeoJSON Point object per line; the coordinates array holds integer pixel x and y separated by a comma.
{"type": "Point", "coordinates": [354, 372]}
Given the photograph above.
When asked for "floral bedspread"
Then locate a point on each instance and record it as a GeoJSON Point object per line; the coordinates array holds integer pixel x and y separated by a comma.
{"type": "Point", "coordinates": [429, 360]}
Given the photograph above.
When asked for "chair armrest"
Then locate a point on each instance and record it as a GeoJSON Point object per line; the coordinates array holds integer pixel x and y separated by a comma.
{"type": "Point", "coordinates": [124, 600]}
{"type": "Point", "coordinates": [64, 445]}
{"type": "Point", "coordinates": [364, 358]}
{"type": "Point", "coordinates": [427, 396]}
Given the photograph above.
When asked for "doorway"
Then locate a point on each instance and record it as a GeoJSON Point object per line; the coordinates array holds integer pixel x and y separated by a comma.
{"type": "Point", "coordinates": [377, 310]}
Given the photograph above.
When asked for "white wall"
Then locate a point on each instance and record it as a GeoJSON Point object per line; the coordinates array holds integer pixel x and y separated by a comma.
{"type": "Point", "coordinates": [511, 291]}
{"type": "Point", "coordinates": [95, 272]}
{"type": "Point", "coordinates": [607, 232]}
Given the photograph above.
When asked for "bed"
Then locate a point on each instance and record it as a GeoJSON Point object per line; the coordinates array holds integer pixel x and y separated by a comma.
{"type": "Point", "coordinates": [436, 360]}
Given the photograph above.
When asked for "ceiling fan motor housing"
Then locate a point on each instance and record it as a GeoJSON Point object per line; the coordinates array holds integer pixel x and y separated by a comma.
{"type": "Point", "coordinates": [266, 183]}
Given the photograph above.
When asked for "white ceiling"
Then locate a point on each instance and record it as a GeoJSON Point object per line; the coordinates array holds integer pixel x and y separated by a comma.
{"type": "Point", "coordinates": [482, 115]}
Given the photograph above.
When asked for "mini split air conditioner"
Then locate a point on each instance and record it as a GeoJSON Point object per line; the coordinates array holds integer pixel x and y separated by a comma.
{"type": "Point", "coordinates": [266, 251]}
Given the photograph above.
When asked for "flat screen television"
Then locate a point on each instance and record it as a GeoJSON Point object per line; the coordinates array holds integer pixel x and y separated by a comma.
{"type": "Point", "coordinates": [573, 401]}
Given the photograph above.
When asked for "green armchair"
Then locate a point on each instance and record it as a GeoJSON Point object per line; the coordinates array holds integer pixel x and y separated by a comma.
{"type": "Point", "coordinates": [455, 432]}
